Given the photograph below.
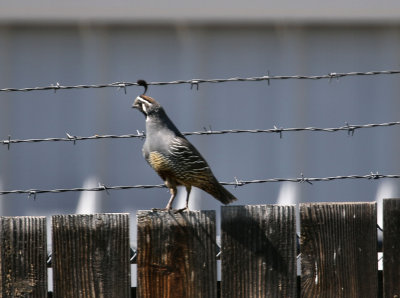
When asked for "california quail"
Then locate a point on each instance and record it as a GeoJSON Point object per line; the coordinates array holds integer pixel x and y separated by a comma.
{"type": "Point", "coordinates": [173, 157]}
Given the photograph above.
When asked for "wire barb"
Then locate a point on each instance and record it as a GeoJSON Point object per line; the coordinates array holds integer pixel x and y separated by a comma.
{"type": "Point", "coordinates": [350, 129]}
{"type": "Point", "coordinates": [207, 130]}
{"type": "Point", "coordinates": [333, 75]}
{"type": "Point", "coordinates": [141, 134]}
{"type": "Point", "coordinates": [72, 138]}
{"type": "Point", "coordinates": [32, 193]}
{"type": "Point", "coordinates": [194, 83]}
{"type": "Point", "coordinates": [303, 179]}
{"type": "Point", "coordinates": [122, 86]}
{"type": "Point", "coordinates": [7, 142]}
{"type": "Point", "coordinates": [101, 185]}
{"type": "Point", "coordinates": [267, 78]}
{"type": "Point", "coordinates": [374, 176]}
{"type": "Point", "coordinates": [56, 87]}
{"type": "Point", "coordinates": [278, 130]}
{"type": "Point", "coordinates": [238, 182]}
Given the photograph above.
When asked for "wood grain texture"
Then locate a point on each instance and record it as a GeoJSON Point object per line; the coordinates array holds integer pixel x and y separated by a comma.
{"type": "Point", "coordinates": [23, 255]}
{"type": "Point", "coordinates": [338, 250]}
{"type": "Point", "coordinates": [258, 251]}
{"type": "Point", "coordinates": [91, 255]}
{"type": "Point", "coordinates": [176, 254]}
{"type": "Point", "coordinates": [391, 248]}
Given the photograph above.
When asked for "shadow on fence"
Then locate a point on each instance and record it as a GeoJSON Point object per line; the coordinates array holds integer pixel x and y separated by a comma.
{"type": "Point", "coordinates": [176, 253]}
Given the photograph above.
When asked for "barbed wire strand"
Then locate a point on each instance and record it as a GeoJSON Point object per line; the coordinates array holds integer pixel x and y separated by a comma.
{"type": "Point", "coordinates": [196, 82]}
{"type": "Point", "coordinates": [236, 183]}
{"type": "Point", "coordinates": [70, 138]}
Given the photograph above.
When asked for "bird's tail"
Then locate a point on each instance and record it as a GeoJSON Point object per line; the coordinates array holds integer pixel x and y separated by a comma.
{"type": "Point", "coordinates": [220, 193]}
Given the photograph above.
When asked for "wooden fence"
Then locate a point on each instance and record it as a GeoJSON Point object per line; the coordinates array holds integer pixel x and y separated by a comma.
{"type": "Point", "coordinates": [176, 253]}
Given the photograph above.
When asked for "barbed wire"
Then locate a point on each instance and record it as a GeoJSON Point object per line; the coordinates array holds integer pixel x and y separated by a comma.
{"type": "Point", "coordinates": [70, 138]}
{"type": "Point", "coordinates": [236, 183]}
{"type": "Point", "coordinates": [197, 82]}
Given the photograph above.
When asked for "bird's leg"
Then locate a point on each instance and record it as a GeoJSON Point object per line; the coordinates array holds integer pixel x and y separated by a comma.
{"type": "Point", "coordinates": [173, 192]}
{"type": "Point", "coordinates": [188, 189]}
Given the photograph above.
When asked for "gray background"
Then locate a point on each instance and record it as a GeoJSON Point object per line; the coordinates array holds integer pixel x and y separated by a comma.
{"type": "Point", "coordinates": [82, 44]}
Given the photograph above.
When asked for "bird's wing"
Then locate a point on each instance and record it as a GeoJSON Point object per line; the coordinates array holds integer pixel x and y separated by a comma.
{"type": "Point", "coordinates": [192, 169]}
{"type": "Point", "coordinates": [188, 158]}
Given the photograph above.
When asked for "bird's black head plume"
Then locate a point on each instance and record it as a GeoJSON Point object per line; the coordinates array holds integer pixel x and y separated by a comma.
{"type": "Point", "coordinates": [144, 84]}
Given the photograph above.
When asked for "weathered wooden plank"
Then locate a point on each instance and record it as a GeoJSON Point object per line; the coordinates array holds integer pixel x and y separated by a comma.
{"type": "Point", "coordinates": [391, 248]}
{"type": "Point", "coordinates": [258, 251]}
{"type": "Point", "coordinates": [23, 255]}
{"type": "Point", "coordinates": [338, 250]}
{"type": "Point", "coordinates": [176, 254]}
{"type": "Point", "coordinates": [91, 255]}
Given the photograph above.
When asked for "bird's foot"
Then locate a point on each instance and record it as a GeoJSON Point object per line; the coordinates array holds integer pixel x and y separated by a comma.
{"type": "Point", "coordinates": [186, 209]}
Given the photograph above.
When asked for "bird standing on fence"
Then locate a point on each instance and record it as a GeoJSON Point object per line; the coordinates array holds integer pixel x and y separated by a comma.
{"type": "Point", "coordinates": [173, 157]}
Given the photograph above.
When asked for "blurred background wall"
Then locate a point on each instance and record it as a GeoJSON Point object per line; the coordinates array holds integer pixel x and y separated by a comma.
{"type": "Point", "coordinates": [88, 42]}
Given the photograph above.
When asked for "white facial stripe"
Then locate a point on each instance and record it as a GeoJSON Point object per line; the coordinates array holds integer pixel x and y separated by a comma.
{"type": "Point", "coordinates": [144, 107]}
{"type": "Point", "coordinates": [143, 100]}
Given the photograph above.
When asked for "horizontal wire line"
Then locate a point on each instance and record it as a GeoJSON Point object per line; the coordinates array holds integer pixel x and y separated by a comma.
{"type": "Point", "coordinates": [196, 82]}
{"type": "Point", "coordinates": [236, 183]}
{"type": "Point", "coordinates": [349, 128]}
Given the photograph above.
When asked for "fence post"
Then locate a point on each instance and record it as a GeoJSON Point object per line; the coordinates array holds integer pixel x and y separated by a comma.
{"type": "Point", "coordinates": [391, 248]}
{"type": "Point", "coordinates": [258, 251]}
{"type": "Point", "coordinates": [338, 250]}
{"type": "Point", "coordinates": [176, 254]}
{"type": "Point", "coordinates": [23, 255]}
{"type": "Point", "coordinates": [91, 255]}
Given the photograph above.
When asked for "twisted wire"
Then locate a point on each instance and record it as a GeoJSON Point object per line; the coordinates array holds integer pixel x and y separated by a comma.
{"type": "Point", "coordinates": [70, 138]}
{"type": "Point", "coordinates": [236, 183]}
{"type": "Point", "coordinates": [197, 82]}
